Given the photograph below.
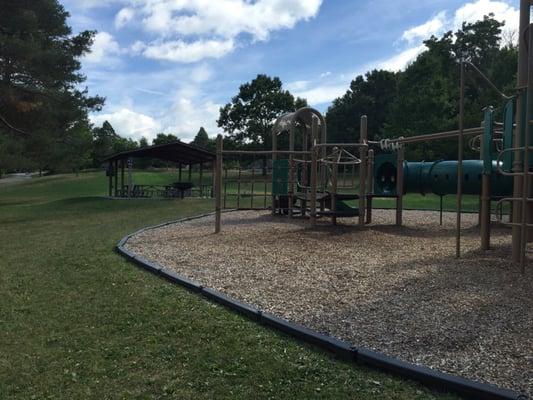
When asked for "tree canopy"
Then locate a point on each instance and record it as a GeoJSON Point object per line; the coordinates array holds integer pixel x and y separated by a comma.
{"type": "Point", "coordinates": [424, 97]}
{"type": "Point", "coordinates": [40, 84]}
{"type": "Point", "coordinates": [202, 140]}
{"type": "Point", "coordinates": [250, 116]}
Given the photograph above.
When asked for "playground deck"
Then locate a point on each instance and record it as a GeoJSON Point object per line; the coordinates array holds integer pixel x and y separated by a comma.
{"type": "Point", "coordinates": [397, 290]}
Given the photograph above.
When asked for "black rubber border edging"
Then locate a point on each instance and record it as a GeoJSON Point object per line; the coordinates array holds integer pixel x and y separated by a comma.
{"type": "Point", "coordinates": [429, 377]}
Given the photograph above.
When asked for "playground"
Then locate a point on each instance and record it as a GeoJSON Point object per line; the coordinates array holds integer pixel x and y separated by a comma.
{"type": "Point", "coordinates": [400, 291]}
{"type": "Point", "coordinates": [297, 237]}
{"type": "Point", "coordinates": [301, 238]}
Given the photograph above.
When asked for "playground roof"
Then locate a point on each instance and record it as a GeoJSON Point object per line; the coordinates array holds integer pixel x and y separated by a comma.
{"type": "Point", "coordinates": [177, 152]}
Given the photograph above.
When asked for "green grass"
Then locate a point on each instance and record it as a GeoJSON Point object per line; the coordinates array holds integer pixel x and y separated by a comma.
{"type": "Point", "coordinates": [78, 321]}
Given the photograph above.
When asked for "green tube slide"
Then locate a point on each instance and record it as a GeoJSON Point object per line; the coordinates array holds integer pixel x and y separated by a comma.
{"type": "Point", "coordinates": [437, 177]}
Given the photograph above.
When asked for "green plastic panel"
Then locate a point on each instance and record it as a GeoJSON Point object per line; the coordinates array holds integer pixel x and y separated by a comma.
{"type": "Point", "coordinates": [487, 140]}
{"type": "Point", "coordinates": [280, 177]}
{"type": "Point", "coordinates": [508, 122]}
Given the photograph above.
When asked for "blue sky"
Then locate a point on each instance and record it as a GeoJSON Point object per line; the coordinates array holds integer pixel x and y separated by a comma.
{"type": "Point", "coordinates": [168, 65]}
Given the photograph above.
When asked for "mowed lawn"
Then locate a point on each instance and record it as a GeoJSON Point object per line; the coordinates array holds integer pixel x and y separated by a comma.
{"type": "Point", "coordinates": [78, 321]}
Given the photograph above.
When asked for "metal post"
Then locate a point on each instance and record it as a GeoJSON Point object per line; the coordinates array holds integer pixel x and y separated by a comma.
{"type": "Point", "coordinates": [440, 214]}
{"type": "Point", "coordinates": [370, 190]}
{"type": "Point", "coordinates": [239, 186]}
{"type": "Point", "coordinates": [179, 171]}
{"type": "Point", "coordinates": [190, 172]}
{"type": "Point", "coordinates": [517, 140]}
{"type": "Point", "coordinates": [484, 212]}
{"type": "Point", "coordinates": [218, 184]}
{"type": "Point", "coordinates": [334, 171]}
{"type": "Point", "coordinates": [362, 169]}
{"type": "Point", "coordinates": [525, 168]}
{"type": "Point", "coordinates": [225, 185]}
{"type": "Point", "coordinates": [314, 166]}
{"type": "Point", "coordinates": [274, 158]}
{"type": "Point", "coordinates": [323, 154]}
{"type": "Point", "coordinates": [252, 184]}
{"type": "Point", "coordinates": [399, 186]}
{"type": "Point", "coordinates": [460, 161]}
{"type": "Point", "coordinates": [291, 170]}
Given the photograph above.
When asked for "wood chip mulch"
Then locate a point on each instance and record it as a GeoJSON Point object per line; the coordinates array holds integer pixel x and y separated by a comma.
{"type": "Point", "coordinates": [398, 290]}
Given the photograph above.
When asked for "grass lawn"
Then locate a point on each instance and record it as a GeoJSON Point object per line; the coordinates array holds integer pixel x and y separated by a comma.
{"type": "Point", "coordinates": [78, 321]}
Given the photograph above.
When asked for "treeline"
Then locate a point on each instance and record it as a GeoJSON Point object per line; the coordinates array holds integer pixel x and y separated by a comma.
{"type": "Point", "coordinates": [106, 142]}
{"type": "Point", "coordinates": [44, 108]}
{"type": "Point", "coordinates": [44, 124]}
{"type": "Point", "coordinates": [424, 98]}
{"type": "Point", "coordinates": [421, 99]}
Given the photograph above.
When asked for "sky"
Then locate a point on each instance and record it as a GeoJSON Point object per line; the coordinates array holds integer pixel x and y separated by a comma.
{"type": "Point", "coordinates": [169, 65]}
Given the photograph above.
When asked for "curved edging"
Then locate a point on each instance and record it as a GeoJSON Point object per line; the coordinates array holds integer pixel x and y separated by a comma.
{"type": "Point", "coordinates": [427, 376]}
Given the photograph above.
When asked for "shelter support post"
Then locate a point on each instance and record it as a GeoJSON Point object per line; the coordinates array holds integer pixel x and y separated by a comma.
{"type": "Point", "coordinates": [218, 184]}
{"type": "Point", "coordinates": [180, 166]}
{"type": "Point", "coordinates": [190, 172]}
{"type": "Point", "coordinates": [201, 179]}
{"type": "Point", "coordinates": [116, 177]}
{"type": "Point", "coordinates": [110, 176]}
{"type": "Point", "coordinates": [362, 169]}
{"type": "Point", "coordinates": [122, 177]}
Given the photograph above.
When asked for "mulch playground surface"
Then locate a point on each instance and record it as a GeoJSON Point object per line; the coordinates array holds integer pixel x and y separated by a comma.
{"type": "Point", "coordinates": [397, 290]}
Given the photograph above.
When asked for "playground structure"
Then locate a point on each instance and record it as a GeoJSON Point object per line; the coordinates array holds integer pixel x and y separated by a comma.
{"type": "Point", "coordinates": [309, 177]}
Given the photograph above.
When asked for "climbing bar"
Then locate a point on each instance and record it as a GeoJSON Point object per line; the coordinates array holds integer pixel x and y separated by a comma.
{"type": "Point", "coordinates": [251, 152]}
{"type": "Point", "coordinates": [433, 136]}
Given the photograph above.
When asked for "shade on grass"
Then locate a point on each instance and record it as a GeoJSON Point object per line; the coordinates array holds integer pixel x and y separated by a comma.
{"type": "Point", "coordinates": [78, 321]}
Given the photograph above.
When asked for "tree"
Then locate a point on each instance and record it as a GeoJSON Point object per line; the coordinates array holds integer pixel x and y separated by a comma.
{"type": "Point", "coordinates": [40, 78]}
{"type": "Point", "coordinates": [103, 143]}
{"type": "Point", "coordinates": [430, 91]}
{"type": "Point", "coordinates": [251, 114]}
{"type": "Point", "coordinates": [372, 94]}
{"type": "Point", "coordinates": [163, 138]}
{"type": "Point", "coordinates": [143, 142]}
{"type": "Point", "coordinates": [202, 140]}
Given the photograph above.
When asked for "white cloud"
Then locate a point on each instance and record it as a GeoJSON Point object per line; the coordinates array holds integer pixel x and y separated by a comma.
{"type": "Point", "coordinates": [474, 11]}
{"type": "Point", "coordinates": [123, 17]}
{"type": "Point", "coordinates": [401, 60]}
{"type": "Point", "coordinates": [201, 73]}
{"type": "Point", "coordinates": [184, 52]}
{"type": "Point", "coordinates": [105, 47]}
{"type": "Point", "coordinates": [296, 86]}
{"type": "Point", "coordinates": [190, 30]}
{"type": "Point", "coordinates": [432, 27]}
{"type": "Point", "coordinates": [187, 115]}
{"type": "Point", "coordinates": [320, 94]}
{"type": "Point", "coordinates": [128, 123]}
{"type": "Point", "coordinates": [469, 12]}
